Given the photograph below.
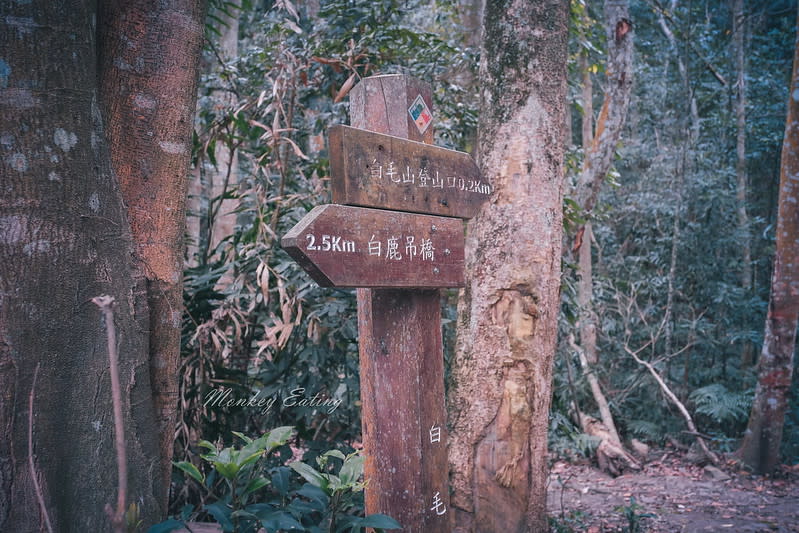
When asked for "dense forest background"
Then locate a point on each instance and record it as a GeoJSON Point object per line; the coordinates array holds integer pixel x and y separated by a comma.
{"type": "Point", "coordinates": [682, 234]}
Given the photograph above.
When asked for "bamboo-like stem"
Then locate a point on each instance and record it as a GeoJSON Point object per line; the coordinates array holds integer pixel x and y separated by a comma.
{"type": "Point", "coordinates": [105, 303]}
{"type": "Point", "coordinates": [36, 486]}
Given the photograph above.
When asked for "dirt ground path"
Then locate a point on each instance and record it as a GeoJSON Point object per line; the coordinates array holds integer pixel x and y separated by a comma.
{"type": "Point", "coordinates": [681, 497]}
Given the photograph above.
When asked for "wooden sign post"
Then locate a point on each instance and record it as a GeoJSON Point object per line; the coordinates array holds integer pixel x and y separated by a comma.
{"type": "Point", "coordinates": [397, 259]}
{"type": "Point", "coordinates": [394, 173]}
{"type": "Point", "coordinates": [342, 246]}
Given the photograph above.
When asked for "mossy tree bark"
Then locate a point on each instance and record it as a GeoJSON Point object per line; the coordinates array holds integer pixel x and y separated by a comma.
{"type": "Point", "coordinates": [507, 324]}
{"type": "Point", "coordinates": [64, 239]}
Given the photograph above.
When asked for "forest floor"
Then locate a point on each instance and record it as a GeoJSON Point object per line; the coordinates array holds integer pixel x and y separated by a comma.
{"type": "Point", "coordinates": [676, 495]}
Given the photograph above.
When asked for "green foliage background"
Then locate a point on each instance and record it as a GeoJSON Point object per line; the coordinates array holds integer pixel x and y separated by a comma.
{"type": "Point", "coordinates": [256, 324]}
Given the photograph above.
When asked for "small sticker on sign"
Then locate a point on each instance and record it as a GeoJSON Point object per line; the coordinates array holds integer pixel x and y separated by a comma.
{"type": "Point", "coordinates": [420, 114]}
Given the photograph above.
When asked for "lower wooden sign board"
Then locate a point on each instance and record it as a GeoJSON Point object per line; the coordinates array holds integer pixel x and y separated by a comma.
{"type": "Point", "coordinates": [343, 246]}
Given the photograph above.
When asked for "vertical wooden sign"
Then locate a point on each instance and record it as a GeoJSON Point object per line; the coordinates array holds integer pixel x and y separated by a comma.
{"type": "Point", "coordinates": [401, 350]}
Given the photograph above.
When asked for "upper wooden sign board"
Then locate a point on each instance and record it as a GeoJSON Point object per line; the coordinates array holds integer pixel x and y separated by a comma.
{"type": "Point", "coordinates": [343, 246]}
{"type": "Point", "coordinates": [374, 170]}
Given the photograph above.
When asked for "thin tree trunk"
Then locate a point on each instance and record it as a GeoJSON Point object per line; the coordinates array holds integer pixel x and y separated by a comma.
{"type": "Point", "coordinates": [679, 186]}
{"type": "Point", "coordinates": [65, 238]}
{"type": "Point", "coordinates": [599, 158]}
{"type": "Point", "coordinates": [588, 339]}
{"type": "Point", "coordinates": [761, 444]}
{"type": "Point", "coordinates": [739, 38]}
{"type": "Point", "coordinates": [149, 53]}
{"type": "Point", "coordinates": [689, 138]}
{"type": "Point", "coordinates": [211, 218]}
{"type": "Point", "coordinates": [599, 150]}
{"type": "Point", "coordinates": [470, 13]}
{"type": "Point", "coordinates": [507, 326]}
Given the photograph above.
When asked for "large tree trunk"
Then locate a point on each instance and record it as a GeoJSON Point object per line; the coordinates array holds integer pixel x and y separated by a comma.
{"type": "Point", "coordinates": [507, 325]}
{"type": "Point", "coordinates": [149, 53]}
{"type": "Point", "coordinates": [65, 238]}
{"type": "Point", "coordinates": [761, 444]}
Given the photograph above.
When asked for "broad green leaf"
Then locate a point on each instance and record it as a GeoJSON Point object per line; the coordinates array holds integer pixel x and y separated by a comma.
{"type": "Point", "coordinates": [227, 470]}
{"type": "Point", "coordinates": [221, 514]}
{"type": "Point", "coordinates": [310, 474]}
{"type": "Point", "coordinates": [242, 436]}
{"type": "Point", "coordinates": [191, 470]}
{"type": "Point", "coordinates": [255, 484]}
{"type": "Point", "coordinates": [316, 495]}
{"type": "Point", "coordinates": [352, 470]}
{"type": "Point", "coordinates": [250, 459]}
{"type": "Point", "coordinates": [335, 453]}
{"type": "Point", "coordinates": [280, 480]}
{"type": "Point", "coordinates": [185, 511]}
{"type": "Point", "coordinates": [207, 445]}
{"type": "Point", "coordinates": [280, 520]}
{"type": "Point", "coordinates": [227, 455]}
{"type": "Point", "coordinates": [243, 513]}
{"type": "Point", "coordinates": [278, 437]}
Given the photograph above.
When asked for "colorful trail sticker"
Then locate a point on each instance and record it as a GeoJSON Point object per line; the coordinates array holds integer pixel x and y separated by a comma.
{"type": "Point", "coordinates": [420, 114]}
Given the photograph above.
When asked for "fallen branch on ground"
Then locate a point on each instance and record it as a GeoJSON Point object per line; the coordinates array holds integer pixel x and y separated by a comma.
{"type": "Point", "coordinates": [680, 406]}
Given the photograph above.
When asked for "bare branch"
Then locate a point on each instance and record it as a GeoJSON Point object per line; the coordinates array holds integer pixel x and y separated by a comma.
{"type": "Point", "coordinates": [36, 486]}
{"type": "Point", "coordinates": [105, 303]}
{"type": "Point", "coordinates": [673, 399]}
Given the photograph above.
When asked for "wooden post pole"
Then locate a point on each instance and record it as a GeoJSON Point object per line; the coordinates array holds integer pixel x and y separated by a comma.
{"type": "Point", "coordinates": [401, 354]}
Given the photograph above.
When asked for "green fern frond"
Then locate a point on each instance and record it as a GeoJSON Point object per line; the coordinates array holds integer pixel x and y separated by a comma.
{"type": "Point", "coordinates": [721, 405]}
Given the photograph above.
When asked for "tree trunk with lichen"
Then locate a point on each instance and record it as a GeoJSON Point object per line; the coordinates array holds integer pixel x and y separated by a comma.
{"type": "Point", "coordinates": [149, 54]}
{"type": "Point", "coordinates": [760, 449]}
{"type": "Point", "coordinates": [64, 239]}
{"type": "Point", "coordinates": [507, 318]}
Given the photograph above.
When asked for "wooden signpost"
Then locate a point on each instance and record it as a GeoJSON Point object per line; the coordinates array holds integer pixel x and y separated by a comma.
{"type": "Point", "coordinates": [341, 246]}
{"type": "Point", "coordinates": [403, 257]}
{"type": "Point", "coordinates": [393, 173]}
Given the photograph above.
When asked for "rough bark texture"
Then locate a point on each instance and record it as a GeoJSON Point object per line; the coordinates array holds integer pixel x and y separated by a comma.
{"type": "Point", "coordinates": [761, 445]}
{"type": "Point", "coordinates": [507, 325]}
{"type": "Point", "coordinates": [149, 52]}
{"type": "Point", "coordinates": [64, 238]}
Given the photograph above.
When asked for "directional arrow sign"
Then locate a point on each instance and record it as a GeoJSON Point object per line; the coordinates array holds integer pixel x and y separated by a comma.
{"type": "Point", "coordinates": [342, 246]}
{"type": "Point", "coordinates": [375, 170]}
